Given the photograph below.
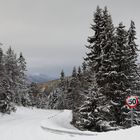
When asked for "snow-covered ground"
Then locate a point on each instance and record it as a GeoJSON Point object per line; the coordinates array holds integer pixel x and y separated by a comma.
{"type": "Point", "coordinates": [37, 124]}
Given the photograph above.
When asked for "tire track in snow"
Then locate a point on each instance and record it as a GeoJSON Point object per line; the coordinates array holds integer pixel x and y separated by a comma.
{"type": "Point", "coordinates": [61, 132]}
{"type": "Point", "coordinates": [55, 131]}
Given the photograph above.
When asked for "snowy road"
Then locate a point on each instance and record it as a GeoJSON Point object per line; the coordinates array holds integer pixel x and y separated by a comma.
{"type": "Point", "coordinates": [27, 124]}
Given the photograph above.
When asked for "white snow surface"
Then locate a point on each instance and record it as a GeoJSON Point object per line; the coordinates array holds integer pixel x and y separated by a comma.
{"type": "Point", "coordinates": [37, 124]}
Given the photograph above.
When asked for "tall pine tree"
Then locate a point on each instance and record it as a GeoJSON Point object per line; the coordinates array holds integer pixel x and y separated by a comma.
{"type": "Point", "coordinates": [6, 96]}
{"type": "Point", "coordinates": [22, 83]}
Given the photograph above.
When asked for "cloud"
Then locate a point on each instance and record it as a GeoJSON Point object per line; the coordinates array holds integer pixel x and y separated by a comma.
{"type": "Point", "coordinates": [52, 34]}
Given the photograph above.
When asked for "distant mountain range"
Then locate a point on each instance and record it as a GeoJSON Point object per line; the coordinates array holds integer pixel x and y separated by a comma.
{"type": "Point", "coordinates": [39, 78]}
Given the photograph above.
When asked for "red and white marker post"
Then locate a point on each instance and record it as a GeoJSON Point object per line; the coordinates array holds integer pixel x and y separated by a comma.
{"type": "Point", "coordinates": [132, 102]}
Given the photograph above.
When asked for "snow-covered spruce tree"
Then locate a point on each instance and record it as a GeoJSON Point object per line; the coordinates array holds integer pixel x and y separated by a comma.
{"type": "Point", "coordinates": [85, 78]}
{"type": "Point", "coordinates": [57, 98]}
{"type": "Point", "coordinates": [93, 58]}
{"type": "Point", "coordinates": [73, 82]}
{"type": "Point", "coordinates": [74, 72]}
{"type": "Point", "coordinates": [68, 92]}
{"type": "Point", "coordinates": [6, 96]}
{"type": "Point", "coordinates": [137, 90]}
{"type": "Point", "coordinates": [74, 90]}
{"type": "Point", "coordinates": [81, 93]}
{"type": "Point", "coordinates": [52, 100]}
{"type": "Point", "coordinates": [133, 72]}
{"type": "Point", "coordinates": [33, 91]}
{"type": "Point", "coordinates": [83, 116]}
{"type": "Point", "coordinates": [99, 60]}
{"type": "Point", "coordinates": [62, 80]}
{"type": "Point", "coordinates": [84, 67]}
{"type": "Point", "coordinates": [135, 75]}
{"type": "Point", "coordinates": [79, 74]}
{"type": "Point", "coordinates": [123, 85]}
{"type": "Point", "coordinates": [132, 48]}
{"type": "Point", "coordinates": [125, 61]}
{"type": "Point", "coordinates": [12, 70]}
{"type": "Point", "coordinates": [61, 92]}
{"type": "Point", "coordinates": [105, 77]}
{"type": "Point", "coordinates": [107, 67]}
{"type": "Point", "coordinates": [22, 96]}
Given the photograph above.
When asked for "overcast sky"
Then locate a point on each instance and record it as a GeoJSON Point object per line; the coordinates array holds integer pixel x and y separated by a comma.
{"type": "Point", "coordinates": [52, 33]}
